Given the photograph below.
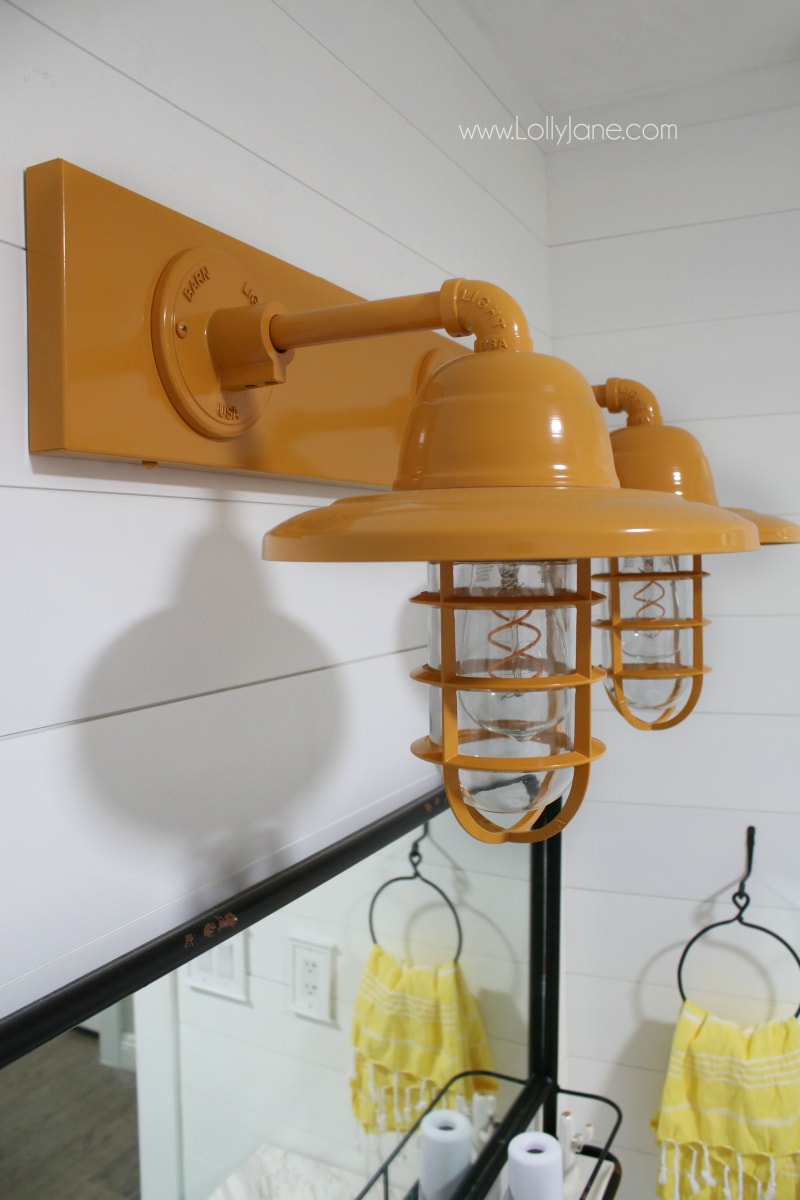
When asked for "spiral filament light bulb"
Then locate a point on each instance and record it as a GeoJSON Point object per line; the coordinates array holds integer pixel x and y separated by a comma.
{"type": "Point", "coordinates": [504, 719]}
{"type": "Point", "coordinates": [508, 645]}
{"type": "Point", "coordinates": [651, 647]}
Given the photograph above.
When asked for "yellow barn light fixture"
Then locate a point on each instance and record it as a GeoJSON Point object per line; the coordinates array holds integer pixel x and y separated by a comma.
{"type": "Point", "coordinates": [652, 623]}
{"type": "Point", "coordinates": [503, 475]}
{"type": "Point", "coordinates": [506, 486]}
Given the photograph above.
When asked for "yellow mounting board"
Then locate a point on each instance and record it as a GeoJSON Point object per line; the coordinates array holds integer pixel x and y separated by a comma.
{"type": "Point", "coordinates": [96, 253]}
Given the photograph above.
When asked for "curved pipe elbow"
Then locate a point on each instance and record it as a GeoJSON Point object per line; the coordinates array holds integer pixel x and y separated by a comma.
{"type": "Point", "coordinates": [470, 306]}
{"type": "Point", "coordinates": [631, 397]}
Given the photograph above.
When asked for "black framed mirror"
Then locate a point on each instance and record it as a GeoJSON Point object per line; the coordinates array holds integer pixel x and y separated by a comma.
{"type": "Point", "coordinates": [231, 1078]}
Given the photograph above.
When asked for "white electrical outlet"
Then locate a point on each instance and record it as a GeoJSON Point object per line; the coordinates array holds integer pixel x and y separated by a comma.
{"type": "Point", "coordinates": [311, 979]}
{"type": "Point", "coordinates": [222, 971]}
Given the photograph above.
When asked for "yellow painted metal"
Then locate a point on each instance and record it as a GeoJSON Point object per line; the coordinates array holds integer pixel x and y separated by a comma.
{"type": "Point", "coordinates": [182, 319]}
{"type": "Point", "coordinates": [507, 456]}
{"type": "Point", "coordinates": [505, 420]}
{"type": "Point", "coordinates": [96, 254]}
{"type": "Point", "coordinates": [651, 455]}
{"type": "Point", "coordinates": [452, 761]}
{"type": "Point", "coordinates": [620, 671]}
{"type": "Point", "coordinates": [772, 530]}
{"type": "Point", "coordinates": [513, 523]}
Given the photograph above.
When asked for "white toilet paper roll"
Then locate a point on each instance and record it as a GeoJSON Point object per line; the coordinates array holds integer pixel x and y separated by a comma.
{"type": "Point", "coordinates": [535, 1167]}
{"type": "Point", "coordinates": [445, 1153]}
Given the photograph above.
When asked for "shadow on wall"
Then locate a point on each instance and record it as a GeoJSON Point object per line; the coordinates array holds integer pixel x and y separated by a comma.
{"type": "Point", "coordinates": [236, 717]}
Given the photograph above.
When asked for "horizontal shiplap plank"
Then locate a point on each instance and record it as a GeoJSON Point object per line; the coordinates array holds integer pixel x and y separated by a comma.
{"type": "Point", "coordinates": [698, 273]}
{"type": "Point", "coordinates": [633, 184]}
{"type": "Point", "coordinates": [411, 923]}
{"type": "Point", "coordinates": [734, 96]}
{"type": "Point", "coordinates": [756, 661]}
{"type": "Point", "coordinates": [632, 1026]}
{"type": "Point", "coordinates": [266, 1024]}
{"type": "Point", "coordinates": [753, 459]}
{"type": "Point", "coordinates": [377, 42]}
{"type": "Point", "coordinates": [737, 763]}
{"type": "Point", "coordinates": [158, 600]}
{"type": "Point", "coordinates": [197, 67]}
{"type": "Point", "coordinates": [762, 583]}
{"type": "Point", "coordinates": [736, 367]}
{"type": "Point", "coordinates": [226, 1086]}
{"type": "Point", "coordinates": [639, 940]}
{"type": "Point", "coordinates": [129, 825]}
{"type": "Point", "coordinates": [57, 86]}
{"type": "Point", "coordinates": [753, 663]}
{"type": "Point", "coordinates": [651, 850]}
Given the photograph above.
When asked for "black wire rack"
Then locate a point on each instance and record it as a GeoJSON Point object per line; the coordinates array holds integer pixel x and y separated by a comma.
{"type": "Point", "coordinates": [530, 1101]}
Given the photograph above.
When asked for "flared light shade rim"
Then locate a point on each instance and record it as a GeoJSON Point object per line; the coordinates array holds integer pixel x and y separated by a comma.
{"type": "Point", "coordinates": [772, 530]}
{"type": "Point", "coordinates": [507, 523]}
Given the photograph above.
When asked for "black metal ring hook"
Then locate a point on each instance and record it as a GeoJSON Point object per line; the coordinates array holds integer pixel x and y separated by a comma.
{"type": "Point", "coordinates": [415, 858]}
{"type": "Point", "coordinates": [741, 900]}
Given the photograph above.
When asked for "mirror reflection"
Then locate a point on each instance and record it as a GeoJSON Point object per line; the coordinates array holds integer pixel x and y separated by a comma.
{"type": "Point", "coordinates": [236, 1077]}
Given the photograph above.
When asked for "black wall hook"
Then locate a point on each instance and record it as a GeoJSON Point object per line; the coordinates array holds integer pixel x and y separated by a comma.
{"type": "Point", "coordinates": [415, 858]}
{"type": "Point", "coordinates": [741, 900]}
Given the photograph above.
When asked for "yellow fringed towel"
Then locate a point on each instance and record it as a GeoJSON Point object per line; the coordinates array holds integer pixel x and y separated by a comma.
{"type": "Point", "coordinates": [414, 1028]}
{"type": "Point", "coordinates": [729, 1122]}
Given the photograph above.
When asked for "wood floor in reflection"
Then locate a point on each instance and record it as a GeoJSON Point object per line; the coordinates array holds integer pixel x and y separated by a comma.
{"type": "Point", "coordinates": [68, 1125]}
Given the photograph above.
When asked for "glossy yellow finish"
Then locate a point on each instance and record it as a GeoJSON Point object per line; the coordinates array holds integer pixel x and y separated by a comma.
{"type": "Point", "coordinates": [461, 307]}
{"type": "Point", "coordinates": [515, 523]}
{"type": "Point", "coordinates": [505, 420]}
{"type": "Point", "coordinates": [520, 470]}
{"type": "Point", "coordinates": [449, 754]}
{"type": "Point", "coordinates": [156, 339]}
{"type": "Point", "coordinates": [99, 259]}
{"type": "Point", "coordinates": [631, 397]}
{"type": "Point", "coordinates": [678, 707]}
{"type": "Point", "coordinates": [663, 458]}
{"type": "Point", "coordinates": [651, 455]}
{"type": "Point", "coordinates": [772, 530]}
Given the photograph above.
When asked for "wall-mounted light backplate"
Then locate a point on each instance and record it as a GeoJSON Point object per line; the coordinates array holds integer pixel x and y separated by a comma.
{"type": "Point", "coordinates": [100, 257]}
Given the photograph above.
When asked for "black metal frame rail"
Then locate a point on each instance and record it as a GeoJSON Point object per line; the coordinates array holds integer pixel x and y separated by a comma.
{"type": "Point", "coordinates": [37, 1023]}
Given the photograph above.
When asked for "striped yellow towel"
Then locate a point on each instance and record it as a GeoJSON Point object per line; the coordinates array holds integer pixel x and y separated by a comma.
{"type": "Point", "coordinates": [729, 1122]}
{"type": "Point", "coordinates": [414, 1028]}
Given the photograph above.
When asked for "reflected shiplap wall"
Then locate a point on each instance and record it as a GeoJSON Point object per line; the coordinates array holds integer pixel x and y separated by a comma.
{"type": "Point", "coordinates": [676, 264]}
{"type": "Point", "coordinates": [178, 718]}
{"type": "Point", "coordinates": [257, 1074]}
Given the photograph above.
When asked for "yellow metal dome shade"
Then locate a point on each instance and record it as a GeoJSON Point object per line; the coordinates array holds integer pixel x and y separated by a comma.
{"type": "Point", "coordinates": [663, 458]}
{"type": "Point", "coordinates": [651, 455]}
{"type": "Point", "coordinates": [505, 420]}
{"type": "Point", "coordinates": [506, 456]}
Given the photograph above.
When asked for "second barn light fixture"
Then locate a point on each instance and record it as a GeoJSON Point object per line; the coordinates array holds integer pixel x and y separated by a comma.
{"type": "Point", "coordinates": [652, 619]}
{"type": "Point", "coordinates": [505, 483]}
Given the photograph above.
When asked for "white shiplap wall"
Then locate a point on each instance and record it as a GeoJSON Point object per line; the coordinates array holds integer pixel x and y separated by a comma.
{"type": "Point", "coordinates": [675, 264]}
{"type": "Point", "coordinates": [146, 753]}
{"type": "Point", "coordinates": [255, 1074]}
{"type": "Point", "coordinates": [177, 717]}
